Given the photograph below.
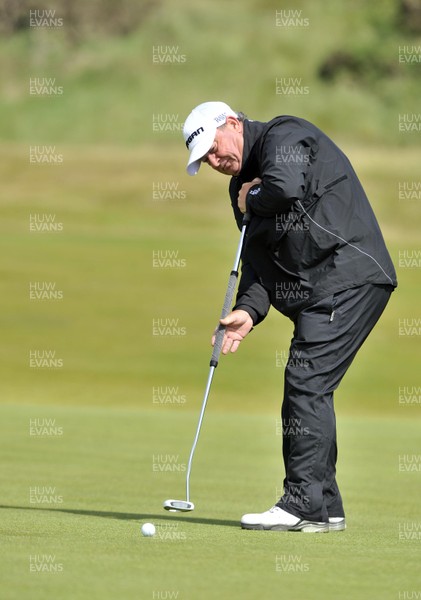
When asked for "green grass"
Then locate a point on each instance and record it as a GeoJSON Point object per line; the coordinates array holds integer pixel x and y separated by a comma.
{"type": "Point", "coordinates": [101, 469]}
{"type": "Point", "coordinates": [112, 87]}
{"type": "Point", "coordinates": [102, 262]}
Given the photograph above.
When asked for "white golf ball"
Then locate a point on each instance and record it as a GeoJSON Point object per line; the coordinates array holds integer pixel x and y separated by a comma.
{"type": "Point", "coordinates": [148, 529]}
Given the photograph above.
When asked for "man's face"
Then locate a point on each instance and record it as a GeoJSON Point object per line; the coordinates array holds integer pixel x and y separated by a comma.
{"type": "Point", "coordinates": [226, 152]}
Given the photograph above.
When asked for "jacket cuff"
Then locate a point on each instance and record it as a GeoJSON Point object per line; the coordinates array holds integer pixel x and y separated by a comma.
{"type": "Point", "coordinates": [253, 192]}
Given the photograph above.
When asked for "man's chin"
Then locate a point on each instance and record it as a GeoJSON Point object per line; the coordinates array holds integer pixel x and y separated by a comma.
{"type": "Point", "coordinates": [231, 171]}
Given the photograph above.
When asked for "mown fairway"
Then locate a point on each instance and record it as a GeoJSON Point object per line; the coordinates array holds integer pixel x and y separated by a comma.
{"type": "Point", "coordinates": [101, 262]}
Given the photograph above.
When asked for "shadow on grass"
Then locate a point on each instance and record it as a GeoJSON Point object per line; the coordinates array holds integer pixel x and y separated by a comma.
{"type": "Point", "coordinates": [127, 516]}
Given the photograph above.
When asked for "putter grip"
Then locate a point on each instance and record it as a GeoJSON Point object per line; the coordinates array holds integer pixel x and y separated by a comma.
{"type": "Point", "coordinates": [219, 337]}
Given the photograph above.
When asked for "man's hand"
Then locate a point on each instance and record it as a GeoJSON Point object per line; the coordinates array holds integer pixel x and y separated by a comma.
{"type": "Point", "coordinates": [243, 193]}
{"type": "Point", "coordinates": [237, 325]}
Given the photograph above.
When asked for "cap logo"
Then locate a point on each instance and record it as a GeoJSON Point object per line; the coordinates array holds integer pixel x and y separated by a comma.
{"type": "Point", "coordinates": [193, 135]}
{"type": "Point", "coordinates": [221, 117]}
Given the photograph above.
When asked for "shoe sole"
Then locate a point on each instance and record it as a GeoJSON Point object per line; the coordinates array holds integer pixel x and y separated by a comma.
{"type": "Point", "coordinates": [304, 526]}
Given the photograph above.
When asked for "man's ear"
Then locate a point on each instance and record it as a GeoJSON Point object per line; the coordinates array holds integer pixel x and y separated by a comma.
{"type": "Point", "coordinates": [234, 123]}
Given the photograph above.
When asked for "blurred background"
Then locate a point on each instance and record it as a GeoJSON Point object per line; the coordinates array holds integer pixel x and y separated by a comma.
{"type": "Point", "coordinates": [115, 262]}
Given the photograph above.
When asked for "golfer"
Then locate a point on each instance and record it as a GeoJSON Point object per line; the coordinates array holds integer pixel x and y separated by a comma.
{"type": "Point", "coordinates": [314, 251]}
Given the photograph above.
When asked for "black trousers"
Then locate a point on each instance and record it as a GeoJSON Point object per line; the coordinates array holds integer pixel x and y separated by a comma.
{"type": "Point", "coordinates": [327, 337]}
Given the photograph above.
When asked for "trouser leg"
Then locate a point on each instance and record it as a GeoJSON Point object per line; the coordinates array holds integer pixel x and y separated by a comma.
{"type": "Point", "coordinates": [321, 351]}
{"type": "Point", "coordinates": [331, 493]}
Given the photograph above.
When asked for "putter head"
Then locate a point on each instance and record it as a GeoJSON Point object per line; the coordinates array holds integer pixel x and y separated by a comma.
{"type": "Point", "coordinates": [178, 505]}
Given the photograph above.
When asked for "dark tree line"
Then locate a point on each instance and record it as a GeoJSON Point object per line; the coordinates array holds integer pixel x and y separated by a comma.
{"type": "Point", "coordinates": [82, 18]}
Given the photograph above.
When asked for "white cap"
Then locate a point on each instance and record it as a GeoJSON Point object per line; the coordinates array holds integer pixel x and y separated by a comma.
{"type": "Point", "coordinates": [200, 128]}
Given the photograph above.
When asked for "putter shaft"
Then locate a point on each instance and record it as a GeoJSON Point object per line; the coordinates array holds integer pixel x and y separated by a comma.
{"type": "Point", "coordinates": [218, 343]}
{"type": "Point", "coordinates": [199, 425]}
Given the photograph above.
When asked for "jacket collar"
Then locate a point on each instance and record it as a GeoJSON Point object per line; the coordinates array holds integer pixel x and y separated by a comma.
{"type": "Point", "coordinates": [251, 133]}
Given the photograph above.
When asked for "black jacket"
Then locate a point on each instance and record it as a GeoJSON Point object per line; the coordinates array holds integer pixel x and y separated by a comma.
{"type": "Point", "coordinates": [313, 231]}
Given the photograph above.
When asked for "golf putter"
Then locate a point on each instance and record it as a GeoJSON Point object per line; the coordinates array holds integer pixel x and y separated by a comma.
{"type": "Point", "coordinates": [187, 505]}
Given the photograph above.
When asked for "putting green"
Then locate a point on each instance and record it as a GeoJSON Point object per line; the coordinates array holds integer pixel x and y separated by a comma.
{"type": "Point", "coordinates": [78, 484]}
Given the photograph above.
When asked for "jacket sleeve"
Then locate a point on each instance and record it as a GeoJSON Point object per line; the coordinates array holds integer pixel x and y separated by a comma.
{"type": "Point", "coordinates": [252, 296]}
{"type": "Point", "coordinates": [284, 163]}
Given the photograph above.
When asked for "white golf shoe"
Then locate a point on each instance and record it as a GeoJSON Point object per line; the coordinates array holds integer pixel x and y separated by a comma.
{"type": "Point", "coordinates": [277, 519]}
{"type": "Point", "coordinates": [337, 524]}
